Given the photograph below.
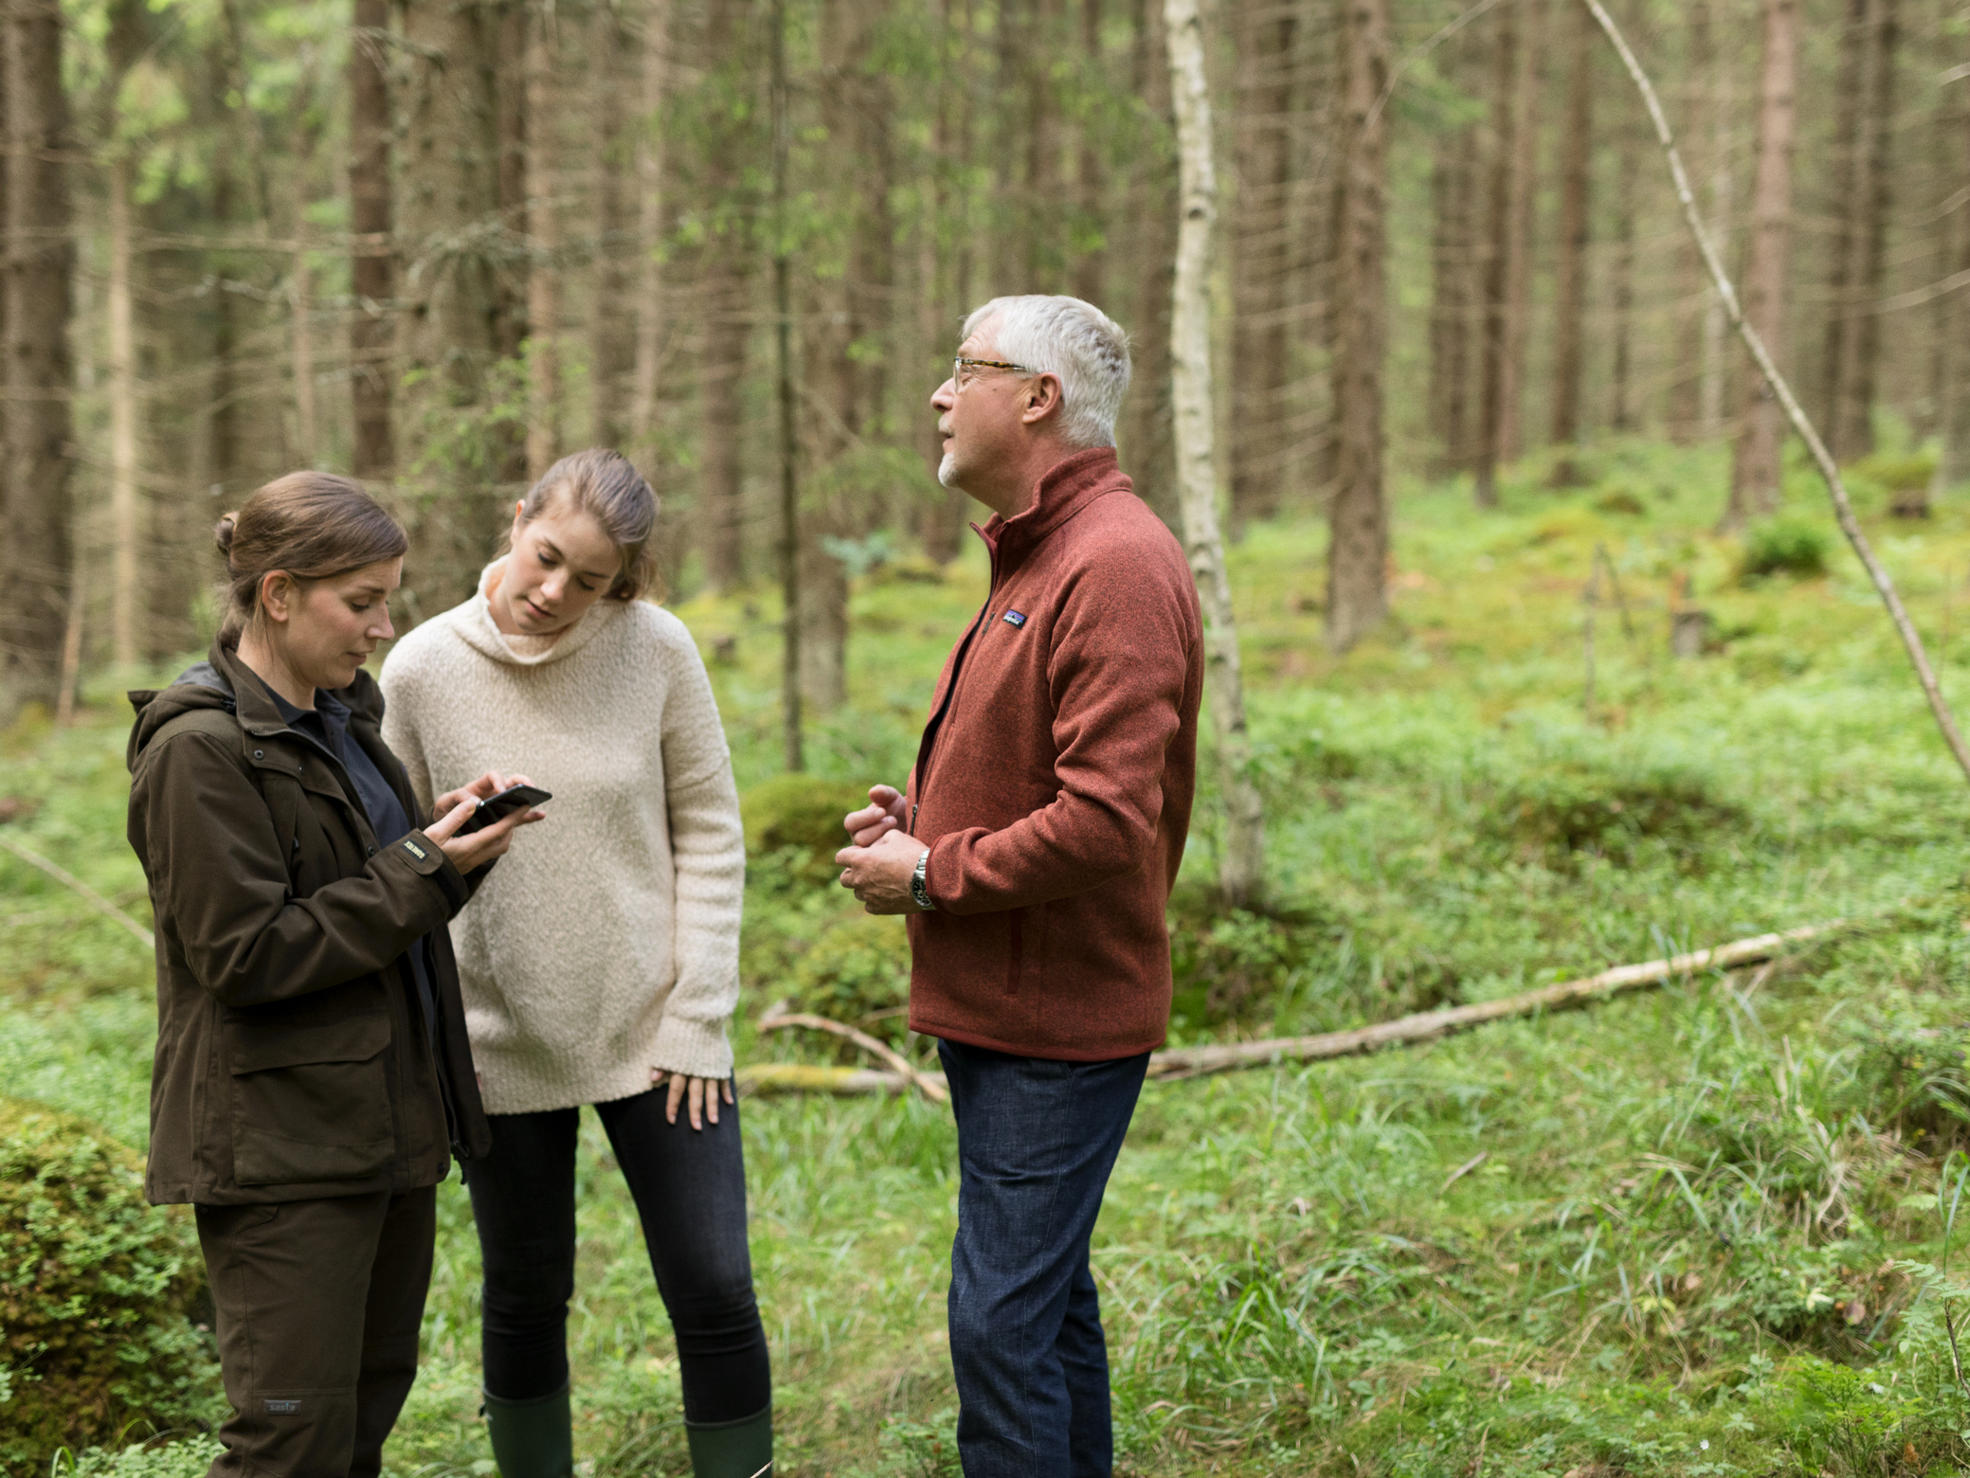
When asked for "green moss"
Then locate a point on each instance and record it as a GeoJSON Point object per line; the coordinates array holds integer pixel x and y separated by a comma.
{"type": "Point", "coordinates": [857, 970]}
{"type": "Point", "coordinates": [800, 815]}
{"type": "Point", "coordinates": [97, 1293]}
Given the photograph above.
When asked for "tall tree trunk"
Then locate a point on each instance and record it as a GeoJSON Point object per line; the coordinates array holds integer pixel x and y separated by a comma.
{"type": "Point", "coordinates": [1241, 871]}
{"type": "Point", "coordinates": [644, 417]}
{"type": "Point", "coordinates": [1090, 275]}
{"type": "Point", "coordinates": [790, 581]}
{"type": "Point", "coordinates": [372, 328]}
{"type": "Point", "coordinates": [1500, 219]}
{"type": "Point", "coordinates": [1755, 465]}
{"type": "Point", "coordinates": [1524, 206]}
{"type": "Point", "coordinates": [125, 497]}
{"type": "Point", "coordinates": [1453, 193]}
{"type": "Point", "coordinates": [944, 271]}
{"type": "Point", "coordinates": [1041, 125]}
{"type": "Point", "coordinates": [727, 328]}
{"type": "Point", "coordinates": [1714, 382]}
{"type": "Point", "coordinates": [1854, 410]}
{"type": "Point", "coordinates": [1954, 465]}
{"type": "Point", "coordinates": [455, 218]}
{"type": "Point", "coordinates": [301, 331]}
{"type": "Point", "coordinates": [1849, 159]}
{"type": "Point", "coordinates": [35, 559]}
{"type": "Point", "coordinates": [1358, 516]}
{"type": "Point", "coordinates": [1147, 438]}
{"type": "Point", "coordinates": [612, 331]}
{"type": "Point", "coordinates": [1262, 260]}
{"type": "Point", "coordinates": [542, 228]}
{"type": "Point", "coordinates": [1621, 274]}
{"type": "Point", "coordinates": [1576, 180]}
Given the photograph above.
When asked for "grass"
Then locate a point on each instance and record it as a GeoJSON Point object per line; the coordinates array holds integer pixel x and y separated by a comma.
{"type": "Point", "coordinates": [1698, 1231]}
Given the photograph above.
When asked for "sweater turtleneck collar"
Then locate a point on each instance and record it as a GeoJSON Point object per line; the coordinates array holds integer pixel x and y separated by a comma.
{"type": "Point", "coordinates": [483, 635]}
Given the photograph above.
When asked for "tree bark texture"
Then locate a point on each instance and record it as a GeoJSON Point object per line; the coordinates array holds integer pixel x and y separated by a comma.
{"type": "Point", "coordinates": [1146, 434]}
{"type": "Point", "coordinates": [39, 378]}
{"type": "Point", "coordinates": [1454, 281]}
{"type": "Point", "coordinates": [1499, 250]}
{"type": "Point", "coordinates": [1954, 465]}
{"type": "Point", "coordinates": [372, 266]}
{"type": "Point", "coordinates": [1262, 260]}
{"type": "Point", "coordinates": [1242, 861]}
{"type": "Point", "coordinates": [1576, 183]}
{"type": "Point", "coordinates": [1852, 428]}
{"type": "Point", "coordinates": [612, 82]}
{"type": "Point", "coordinates": [1524, 208]}
{"type": "Point", "coordinates": [652, 195]}
{"type": "Point", "coordinates": [725, 291]}
{"type": "Point", "coordinates": [539, 220]}
{"type": "Point", "coordinates": [1755, 462]}
{"type": "Point", "coordinates": [1621, 282]}
{"type": "Point", "coordinates": [126, 507]}
{"type": "Point", "coordinates": [1358, 515]}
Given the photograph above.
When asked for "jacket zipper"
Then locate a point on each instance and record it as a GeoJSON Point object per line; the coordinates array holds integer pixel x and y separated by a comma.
{"type": "Point", "coordinates": [927, 747]}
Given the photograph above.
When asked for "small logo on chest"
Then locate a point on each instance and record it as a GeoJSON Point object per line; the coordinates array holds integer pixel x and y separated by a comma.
{"type": "Point", "coordinates": [1015, 618]}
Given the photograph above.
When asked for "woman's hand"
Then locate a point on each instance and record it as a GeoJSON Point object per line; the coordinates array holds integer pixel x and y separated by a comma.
{"type": "Point", "coordinates": [487, 785]}
{"type": "Point", "coordinates": [475, 851]}
{"type": "Point", "coordinates": [703, 1094]}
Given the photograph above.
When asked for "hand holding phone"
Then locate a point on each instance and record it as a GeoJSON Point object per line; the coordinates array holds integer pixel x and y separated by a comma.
{"type": "Point", "coordinates": [502, 804]}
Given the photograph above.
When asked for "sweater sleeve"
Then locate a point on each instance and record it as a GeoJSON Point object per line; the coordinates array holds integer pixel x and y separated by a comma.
{"type": "Point", "coordinates": [1116, 674]}
{"type": "Point", "coordinates": [708, 852]}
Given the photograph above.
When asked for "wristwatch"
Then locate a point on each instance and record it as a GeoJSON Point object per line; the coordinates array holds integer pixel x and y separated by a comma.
{"type": "Point", "coordinates": [919, 889]}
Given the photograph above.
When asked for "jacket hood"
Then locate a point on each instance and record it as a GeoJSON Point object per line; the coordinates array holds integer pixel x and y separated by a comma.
{"type": "Point", "coordinates": [223, 682]}
{"type": "Point", "coordinates": [473, 621]}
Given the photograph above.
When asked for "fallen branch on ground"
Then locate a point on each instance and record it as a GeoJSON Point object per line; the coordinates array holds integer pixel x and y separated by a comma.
{"type": "Point", "coordinates": [930, 1085]}
{"type": "Point", "coordinates": [81, 890]}
{"type": "Point", "coordinates": [1192, 1062]}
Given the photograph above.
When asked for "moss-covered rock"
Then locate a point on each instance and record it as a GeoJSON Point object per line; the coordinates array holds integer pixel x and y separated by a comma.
{"type": "Point", "coordinates": [799, 818]}
{"type": "Point", "coordinates": [98, 1292]}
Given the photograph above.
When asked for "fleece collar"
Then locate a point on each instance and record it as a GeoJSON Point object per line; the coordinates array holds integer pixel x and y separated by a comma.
{"type": "Point", "coordinates": [1064, 489]}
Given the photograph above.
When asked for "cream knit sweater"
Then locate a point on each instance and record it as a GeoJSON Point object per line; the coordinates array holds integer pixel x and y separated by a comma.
{"type": "Point", "coordinates": [606, 941]}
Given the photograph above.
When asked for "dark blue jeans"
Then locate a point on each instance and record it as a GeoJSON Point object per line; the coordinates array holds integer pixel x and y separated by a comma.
{"type": "Point", "coordinates": [1036, 1141]}
{"type": "Point", "coordinates": [690, 1191]}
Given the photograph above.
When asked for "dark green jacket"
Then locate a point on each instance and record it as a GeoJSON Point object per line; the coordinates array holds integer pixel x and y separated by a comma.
{"type": "Point", "coordinates": [292, 1057]}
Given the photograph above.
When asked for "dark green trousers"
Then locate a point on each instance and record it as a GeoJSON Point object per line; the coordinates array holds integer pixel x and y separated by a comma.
{"type": "Point", "coordinates": [318, 1306]}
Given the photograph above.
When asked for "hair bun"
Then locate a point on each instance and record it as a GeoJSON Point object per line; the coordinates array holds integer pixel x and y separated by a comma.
{"type": "Point", "coordinates": [222, 533]}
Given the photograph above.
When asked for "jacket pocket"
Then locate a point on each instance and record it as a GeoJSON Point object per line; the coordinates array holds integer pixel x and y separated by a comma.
{"type": "Point", "coordinates": [310, 1102]}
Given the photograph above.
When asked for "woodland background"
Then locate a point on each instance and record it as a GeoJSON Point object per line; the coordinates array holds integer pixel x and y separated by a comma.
{"type": "Point", "coordinates": [437, 245]}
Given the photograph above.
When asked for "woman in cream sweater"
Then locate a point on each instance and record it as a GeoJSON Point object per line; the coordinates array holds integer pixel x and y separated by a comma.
{"type": "Point", "coordinates": [601, 968]}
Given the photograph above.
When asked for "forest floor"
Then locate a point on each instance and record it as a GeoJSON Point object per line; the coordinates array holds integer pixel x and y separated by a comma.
{"type": "Point", "coordinates": [1693, 1231]}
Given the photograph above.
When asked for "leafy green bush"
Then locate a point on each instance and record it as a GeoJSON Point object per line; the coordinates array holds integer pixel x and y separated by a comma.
{"type": "Point", "coordinates": [1784, 546]}
{"type": "Point", "coordinates": [187, 1459]}
{"type": "Point", "coordinates": [855, 970]}
{"type": "Point", "coordinates": [1898, 472]}
{"type": "Point", "coordinates": [1570, 808]}
{"type": "Point", "coordinates": [97, 1293]}
{"type": "Point", "coordinates": [802, 815]}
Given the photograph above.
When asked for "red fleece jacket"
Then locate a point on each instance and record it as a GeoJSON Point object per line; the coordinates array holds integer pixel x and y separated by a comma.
{"type": "Point", "coordinates": [1054, 781]}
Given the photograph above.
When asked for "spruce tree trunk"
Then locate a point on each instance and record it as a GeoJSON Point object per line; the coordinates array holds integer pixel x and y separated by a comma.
{"type": "Point", "coordinates": [1524, 207]}
{"type": "Point", "coordinates": [611, 83]}
{"type": "Point", "coordinates": [649, 132]}
{"type": "Point", "coordinates": [1576, 180]}
{"type": "Point", "coordinates": [1850, 155]}
{"type": "Point", "coordinates": [1755, 462]}
{"type": "Point", "coordinates": [1090, 272]}
{"type": "Point", "coordinates": [1358, 516]}
{"type": "Point", "coordinates": [1497, 254]}
{"type": "Point", "coordinates": [1953, 467]}
{"type": "Point", "coordinates": [1454, 280]}
{"type": "Point", "coordinates": [1146, 434]}
{"type": "Point", "coordinates": [126, 508]}
{"type": "Point", "coordinates": [539, 224]}
{"type": "Point", "coordinates": [1854, 416]}
{"type": "Point", "coordinates": [1241, 871]}
{"type": "Point", "coordinates": [372, 327]}
{"type": "Point", "coordinates": [727, 330]}
{"type": "Point", "coordinates": [1621, 274]}
{"type": "Point", "coordinates": [1262, 261]}
{"type": "Point", "coordinates": [35, 561]}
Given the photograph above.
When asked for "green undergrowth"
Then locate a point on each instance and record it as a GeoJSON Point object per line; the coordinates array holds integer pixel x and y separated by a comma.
{"type": "Point", "coordinates": [1705, 1229]}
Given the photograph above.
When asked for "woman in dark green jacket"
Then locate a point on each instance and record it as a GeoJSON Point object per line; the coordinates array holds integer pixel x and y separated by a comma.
{"type": "Point", "coordinates": [312, 1078]}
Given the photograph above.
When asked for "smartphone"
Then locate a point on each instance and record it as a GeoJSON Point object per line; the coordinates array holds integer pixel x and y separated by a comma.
{"type": "Point", "coordinates": [505, 803]}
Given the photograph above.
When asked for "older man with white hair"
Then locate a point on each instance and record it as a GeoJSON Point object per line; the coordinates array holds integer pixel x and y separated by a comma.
{"type": "Point", "coordinates": [1033, 849]}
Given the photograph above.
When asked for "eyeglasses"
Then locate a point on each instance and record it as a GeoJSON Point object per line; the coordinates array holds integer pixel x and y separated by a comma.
{"type": "Point", "coordinates": [961, 367]}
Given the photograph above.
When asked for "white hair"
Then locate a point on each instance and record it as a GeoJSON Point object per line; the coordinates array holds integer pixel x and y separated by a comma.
{"type": "Point", "coordinates": [1070, 339]}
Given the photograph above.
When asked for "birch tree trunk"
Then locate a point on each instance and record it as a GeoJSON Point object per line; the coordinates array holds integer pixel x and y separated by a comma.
{"type": "Point", "coordinates": [1241, 864]}
{"type": "Point", "coordinates": [1761, 432]}
{"type": "Point", "coordinates": [1358, 515]}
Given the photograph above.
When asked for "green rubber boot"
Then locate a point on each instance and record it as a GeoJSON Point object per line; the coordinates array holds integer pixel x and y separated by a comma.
{"type": "Point", "coordinates": [740, 1449]}
{"type": "Point", "coordinates": [532, 1439]}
